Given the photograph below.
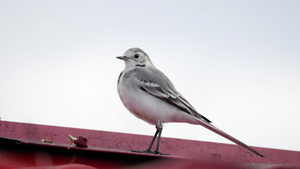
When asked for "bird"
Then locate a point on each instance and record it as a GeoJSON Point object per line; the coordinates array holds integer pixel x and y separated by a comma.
{"type": "Point", "coordinates": [151, 96]}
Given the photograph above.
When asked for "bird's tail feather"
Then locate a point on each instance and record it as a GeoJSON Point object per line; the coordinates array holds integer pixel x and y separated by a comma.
{"type": "Point", "coordinates": [222, 133]}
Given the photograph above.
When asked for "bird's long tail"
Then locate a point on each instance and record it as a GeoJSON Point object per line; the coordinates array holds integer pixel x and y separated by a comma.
{"type": "Point", "coordinates": [229, 137]}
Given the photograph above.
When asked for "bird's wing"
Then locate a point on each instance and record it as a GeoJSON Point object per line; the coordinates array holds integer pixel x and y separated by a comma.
{"type": "Point", "coordinates": [170, 96]}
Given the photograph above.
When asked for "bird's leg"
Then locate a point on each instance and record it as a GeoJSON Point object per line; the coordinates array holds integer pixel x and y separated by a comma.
{"type": "Point", "coordinates": [159, 128]}
{"type": "Point", "coordinates": [150, 146]}
{"type": "Point", "coordinates": [153, 139]}
{"type": "Point", "coordinates": [158, 132]}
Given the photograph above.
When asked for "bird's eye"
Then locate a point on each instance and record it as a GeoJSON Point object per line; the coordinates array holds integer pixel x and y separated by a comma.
{"type": "Point", "coordinates": [136, 55]}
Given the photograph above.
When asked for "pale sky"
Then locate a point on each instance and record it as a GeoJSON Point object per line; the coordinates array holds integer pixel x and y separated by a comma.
{"type": "Point", "coordinates": [236, 62]}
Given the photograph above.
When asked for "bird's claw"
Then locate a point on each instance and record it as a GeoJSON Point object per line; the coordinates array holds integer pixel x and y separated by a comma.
{"type": "Point", "coordinates": [149, 152]}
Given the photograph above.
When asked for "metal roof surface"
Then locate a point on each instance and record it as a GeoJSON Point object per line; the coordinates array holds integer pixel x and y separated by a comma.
{"type": "Point", "coordinates": [113, 150]}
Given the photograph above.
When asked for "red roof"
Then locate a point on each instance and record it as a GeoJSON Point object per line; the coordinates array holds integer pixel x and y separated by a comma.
{"type": "Point", "coordinates": [21, 146]}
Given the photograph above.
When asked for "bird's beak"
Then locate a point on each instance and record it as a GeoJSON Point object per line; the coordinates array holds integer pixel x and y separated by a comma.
{"type": "Point", "coordinates": [122, 57]}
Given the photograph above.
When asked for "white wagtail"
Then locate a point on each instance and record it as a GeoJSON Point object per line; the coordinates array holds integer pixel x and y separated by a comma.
{"type": "Point", "coordinates": [149, 94]}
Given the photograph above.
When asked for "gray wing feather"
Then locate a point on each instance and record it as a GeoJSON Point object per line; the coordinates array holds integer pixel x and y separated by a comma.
{"type": "Point", "coordinates": [158, 85]}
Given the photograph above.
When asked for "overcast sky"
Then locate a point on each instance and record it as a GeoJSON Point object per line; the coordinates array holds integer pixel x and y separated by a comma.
{"type": "Point", "coordinates": [236, 62]}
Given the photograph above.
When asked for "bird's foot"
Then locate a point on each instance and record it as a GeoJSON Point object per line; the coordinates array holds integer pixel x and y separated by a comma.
{"type": "Point", "coordinates": [149, 152]}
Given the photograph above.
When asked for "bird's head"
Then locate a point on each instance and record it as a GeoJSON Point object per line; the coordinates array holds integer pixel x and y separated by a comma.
{"type": "Point", "coordinates": [135, 57]}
